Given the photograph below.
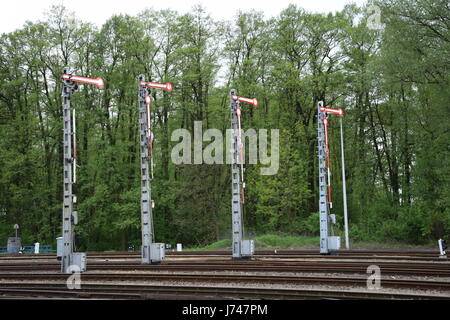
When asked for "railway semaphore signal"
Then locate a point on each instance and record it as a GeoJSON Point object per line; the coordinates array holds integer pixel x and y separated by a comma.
{"type": "Point", "coordinates": [240, 248]}
{"type": "Point", "coordinates": [150, 252]}
{"type": "Point", "coordinates": [70, 217]}
{"type": "Point", "coordinates": [327, 243]}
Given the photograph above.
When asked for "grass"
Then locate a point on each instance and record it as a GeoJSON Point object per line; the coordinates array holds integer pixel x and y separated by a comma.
{"type": "Point", "coordinates": [221, 244]}
{"type": "Point", "coordinates": [271, 241]}
{"type": "Point", "coordinates": [386, 245]}
{"type": "Point", "coordinates": [268, 241]}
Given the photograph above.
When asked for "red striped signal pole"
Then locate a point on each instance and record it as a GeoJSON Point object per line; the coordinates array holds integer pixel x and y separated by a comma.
{"type": "Point", "coordinates": [340, 113]}
{"type": "Point", "coordinates": [254, 103]}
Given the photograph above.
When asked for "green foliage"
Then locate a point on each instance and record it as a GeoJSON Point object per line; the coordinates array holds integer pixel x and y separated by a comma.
{"type": "Point", "coordinates": [393, 83]}
{"type": "Point", "coordinates": [355, 233]}
{"type": "Point", "coordinates": [311, 224]}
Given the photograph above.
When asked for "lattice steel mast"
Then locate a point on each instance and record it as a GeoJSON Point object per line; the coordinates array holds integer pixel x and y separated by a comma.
{"type": "Point", "coordinates": [70, 217]}
{"type": "Point", "coordinates": [240, 248]}
{"type": "Point", "coordinates": [150, 252]}
{"type": "Point", "coordinates": [327, 242]}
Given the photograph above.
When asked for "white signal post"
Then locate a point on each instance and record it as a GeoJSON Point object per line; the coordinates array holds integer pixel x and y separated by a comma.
{"type": "Point", "coordinates": [70, 217]}
{"type": "Point", "coordinates": [241, 147]}
{"type": "Point", "coordinates": [344, 189]}
{"type": "Point", "coordinates": [74, 147]}
{"type": "Point", "coordinates": [148, 101]}
{"type": "Point", "coordinates": [325, 123]}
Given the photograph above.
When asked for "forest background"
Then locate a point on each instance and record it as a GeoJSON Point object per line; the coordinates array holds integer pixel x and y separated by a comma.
{"type": "Point", "coordinates": [393, 83]}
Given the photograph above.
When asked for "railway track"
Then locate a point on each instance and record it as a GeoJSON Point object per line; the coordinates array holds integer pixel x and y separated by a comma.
{"type": "Point", "coordinates": [139, 291]}
{"type": "Point", "coordinates": [239, 278]}
{"type": "Point", "coordinates": [389, 268]}
{"type": "Point", "coordinates": [208, 275]}
{"type": "Point", "coordinates": [189, 256]}
{"type": "Point", "coordinates": [342, 254]}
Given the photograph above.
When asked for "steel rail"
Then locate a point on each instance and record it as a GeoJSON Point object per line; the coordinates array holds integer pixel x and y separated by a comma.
{"type": "Point", "coordinates": [437, 270]}
{"type": "Point", "coordinates": [258, 253]}
{"type": "Point", "coordinates": [140, 291]}
{"type": "Point", "coordinates": [279, 279]}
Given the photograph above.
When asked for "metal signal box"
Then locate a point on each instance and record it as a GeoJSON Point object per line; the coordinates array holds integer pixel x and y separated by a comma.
{"type": "Point", "coordinates": [59, 247]}
{"type": "Point", "coordinates": [334, 243]}
{"type": "Point", "coordinates": [14, 245]}
{"type": "Point", "coordinates": [79, 259]}
{"type": "Point", "coordinates": [157, 252]}
{"type": "Point", "coordinates": [247, 247]}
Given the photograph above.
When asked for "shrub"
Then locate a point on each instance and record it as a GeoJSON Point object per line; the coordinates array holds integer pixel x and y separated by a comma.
{"type": "Point", "coordinates": [311, 225]}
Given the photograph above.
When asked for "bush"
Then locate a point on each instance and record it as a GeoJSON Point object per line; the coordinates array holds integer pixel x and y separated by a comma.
{"type": "Point", "coordinates": [311, 225]}
{"type": "Point", "coordinates": [355, 233]}
{"type": "Point", "coordinates": [410, 226]}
